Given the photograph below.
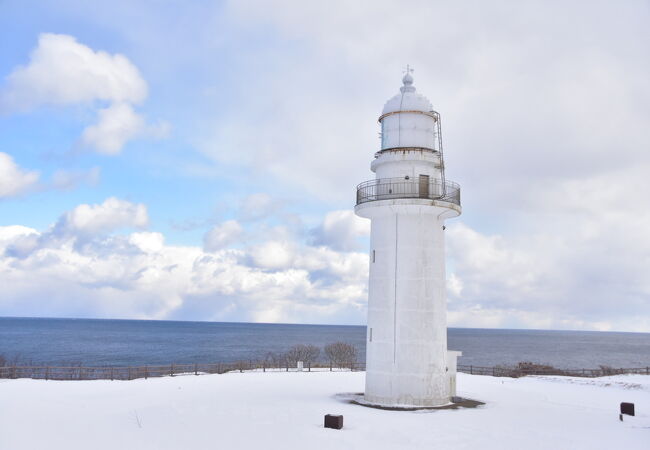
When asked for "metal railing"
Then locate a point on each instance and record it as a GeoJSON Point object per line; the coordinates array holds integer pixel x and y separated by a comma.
{"type": "Point", "coordinates": [400, 188]}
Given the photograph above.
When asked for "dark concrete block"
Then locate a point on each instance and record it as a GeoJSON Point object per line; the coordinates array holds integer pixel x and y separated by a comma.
{"type": "Point", "coordinates": [627, 408]}
{"type": "Point", "coordinates": [332, 421]}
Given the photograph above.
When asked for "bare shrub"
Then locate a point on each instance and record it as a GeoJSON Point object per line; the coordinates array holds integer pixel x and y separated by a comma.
{"type": "Point", "coordinates": [608, 370]}
{"type": "Point", "coordinates": [341, 354]}
{"type": "Point", "coordinates": [273, 359]}
{"type": "Point", "coordinates": [527, 367]}
{"type": "Point", "coordinates": [302, 352]}
{"type": "Point", "coordinates": [242, 365]}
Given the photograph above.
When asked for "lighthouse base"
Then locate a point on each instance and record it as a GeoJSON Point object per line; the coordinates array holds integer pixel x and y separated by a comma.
{"type": "Point", "coordinates": [412, 390]}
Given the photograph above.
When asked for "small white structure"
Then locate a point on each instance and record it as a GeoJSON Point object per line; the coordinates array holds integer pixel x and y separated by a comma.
{"type": "Point", "coordinates": [407, 362]}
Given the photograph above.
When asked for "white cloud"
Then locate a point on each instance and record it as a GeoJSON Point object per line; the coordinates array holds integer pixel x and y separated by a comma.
{"type": "Point", "coordinates": [148, 242]}
{"type": "Point", "coordinates": [117, 124]}
{"type": "Point", "coordinates": [139, 276]}
{"type": "Point", "coordinates": [222, 235]}
{"type": "Point", "coordinates": [257, 206]}
{"type": "Point", "coordinates": [14, 180]}
{"type": "Point", "coordinates": [62, 71]}
{"type": "Point", "coordinates": [273, 255]}
{"type": "Point", "coordinates": [341, 230]}
{"type": "Point", "coordinates": [575, 269]}
{"type": "Point", "coordinates": [108, 216]}
{"type": "Point", "coordinates": [545, 127]}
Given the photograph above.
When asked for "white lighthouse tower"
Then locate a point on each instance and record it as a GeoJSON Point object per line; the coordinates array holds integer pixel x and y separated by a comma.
{"type": "Point", "coordinates": [407, 363]}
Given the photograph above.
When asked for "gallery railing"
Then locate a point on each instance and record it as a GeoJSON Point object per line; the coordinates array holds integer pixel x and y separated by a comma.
{"type": "Point", "coordinates": [401, 188]}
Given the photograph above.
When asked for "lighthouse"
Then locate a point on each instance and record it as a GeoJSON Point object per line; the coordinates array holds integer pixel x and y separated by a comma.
{"type": "Point", "coordinates": [407, 362]}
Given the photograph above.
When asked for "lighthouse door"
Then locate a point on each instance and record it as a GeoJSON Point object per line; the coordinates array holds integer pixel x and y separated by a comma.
{"type": "Point", "coordinates": [424, 186]}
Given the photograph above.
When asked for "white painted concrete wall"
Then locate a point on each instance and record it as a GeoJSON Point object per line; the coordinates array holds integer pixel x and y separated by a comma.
{"type": "Point", "coordinates": [452, 364]}
{"type": "Point", "coordinates": [411, 163]}
{"type": "Point", "coordinates": [406, 359]}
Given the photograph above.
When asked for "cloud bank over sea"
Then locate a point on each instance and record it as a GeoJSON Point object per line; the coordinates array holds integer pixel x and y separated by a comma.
{"type": "Point", "coordinates": [200, 162]}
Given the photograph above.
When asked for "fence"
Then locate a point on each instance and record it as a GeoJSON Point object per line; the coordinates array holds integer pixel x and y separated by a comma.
{"type": "Point", "coordinates": [515, 372]}
{"type": "Point", "coordinates": [131, 373]}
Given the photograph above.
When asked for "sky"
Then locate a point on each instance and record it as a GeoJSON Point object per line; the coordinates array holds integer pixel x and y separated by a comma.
{"type": "Point", "coordinates": [198, 160]}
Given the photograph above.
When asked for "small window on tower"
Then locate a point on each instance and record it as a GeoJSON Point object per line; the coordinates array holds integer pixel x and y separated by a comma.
{"type": "Point", "coordinates": [373, 256]}
{"type": "Point", "coordinates": [370, 335]}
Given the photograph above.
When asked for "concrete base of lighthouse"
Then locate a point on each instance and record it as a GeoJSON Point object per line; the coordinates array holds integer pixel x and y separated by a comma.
{"type": "Point", "coordinates": [407, 363]}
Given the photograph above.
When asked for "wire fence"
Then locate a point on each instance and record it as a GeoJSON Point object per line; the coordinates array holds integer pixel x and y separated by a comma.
{"type": "Point", "coordinates": [136, 372]}
{"type": "Point", "coordinates": [522, 370]}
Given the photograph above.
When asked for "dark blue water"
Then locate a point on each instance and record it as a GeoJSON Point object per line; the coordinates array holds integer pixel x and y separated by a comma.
{"type": "Point", "coordinates": [93, 342]}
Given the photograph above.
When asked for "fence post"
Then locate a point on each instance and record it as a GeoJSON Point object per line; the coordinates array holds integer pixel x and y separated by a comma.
{"type": "Point", "coordinates": [129, 376]}
{"type": "Point", "coordinates": [309, 366]}
{"type": "Point", "coordinates": [471, 370]}
{"type": "Point", "coordinates": [264, 366]}
{"type": "Point", "coordinates": [330, 366]}
{"type": "Point", "coordinates": [647, 370]}
{"type": "Point", "coordinates": [171, 370]}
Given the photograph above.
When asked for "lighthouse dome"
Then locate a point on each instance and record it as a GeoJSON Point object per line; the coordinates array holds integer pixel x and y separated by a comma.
{"type": "Point", "coordinates": [408, 99]}
{"type": "Point", "coordinates": [407, 119]}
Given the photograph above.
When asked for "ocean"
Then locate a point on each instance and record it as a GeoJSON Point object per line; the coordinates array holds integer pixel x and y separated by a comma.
{"type": "Point", "coordinates": [99, 342]}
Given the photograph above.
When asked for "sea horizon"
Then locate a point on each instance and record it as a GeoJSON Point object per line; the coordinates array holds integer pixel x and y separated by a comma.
{"type": "Point", "coordinates": [115, 342]}
{"type": "Point", "coordinates": [313, 324]}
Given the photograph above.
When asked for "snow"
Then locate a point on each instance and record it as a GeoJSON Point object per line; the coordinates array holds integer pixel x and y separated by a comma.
{"type": "Point", "coordinates": [282, 410]}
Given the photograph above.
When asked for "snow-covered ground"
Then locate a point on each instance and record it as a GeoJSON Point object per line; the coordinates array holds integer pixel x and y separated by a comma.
{"type": "Point", "coordinates": [285, 411]}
